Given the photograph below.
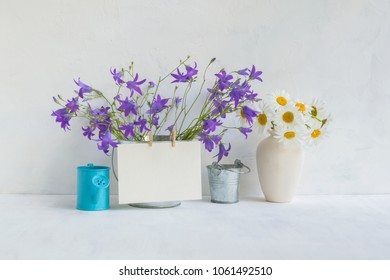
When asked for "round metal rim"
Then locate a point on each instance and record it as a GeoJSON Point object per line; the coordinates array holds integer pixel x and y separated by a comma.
{"type": "Point", "coordinates": [156, 205]}
{"type": "Point", "coordinates": [224, 202]}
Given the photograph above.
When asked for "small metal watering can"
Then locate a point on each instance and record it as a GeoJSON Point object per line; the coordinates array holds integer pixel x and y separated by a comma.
{"type": "Point", "coordinates": [93, 192]}
{"type": "Point", "coordinates": [224, 181]}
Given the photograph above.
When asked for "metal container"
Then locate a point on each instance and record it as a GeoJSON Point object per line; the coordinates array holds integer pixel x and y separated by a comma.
{"type": "Point", "coordinates": [93, 192]}
{"type": "Point", "coordinates": [224, 181]}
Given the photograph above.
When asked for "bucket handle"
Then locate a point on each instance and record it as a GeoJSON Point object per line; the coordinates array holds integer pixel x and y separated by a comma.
{"type": "Point", "coordinates": [217, 169]}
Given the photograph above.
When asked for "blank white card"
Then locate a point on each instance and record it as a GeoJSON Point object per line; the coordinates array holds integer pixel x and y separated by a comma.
{"type": "Point", "coordinates": [159, 172]}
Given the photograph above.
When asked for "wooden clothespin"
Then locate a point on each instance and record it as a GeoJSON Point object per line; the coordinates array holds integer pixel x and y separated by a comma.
{"type": "Point", "coordinates": [173, 137]}
{"type": "Point", "coordinates": [151, 137]}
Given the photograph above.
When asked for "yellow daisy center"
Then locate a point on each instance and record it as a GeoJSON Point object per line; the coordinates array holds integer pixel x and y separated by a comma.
{"type": "Point", "coordinates": [316, 133]}
{"type": "Point", "coordinates": [242, 114]}
{"type": "Point", "coordinates": [281, 100]}
{"type": "Point", "coordinates": [301, 107]}
{"type": "Point", "coordinates": [289, 135]}
{"type": "Point", "coordinates": [288, 117]}
{"type": "Point", "coordinates": [262, 119]}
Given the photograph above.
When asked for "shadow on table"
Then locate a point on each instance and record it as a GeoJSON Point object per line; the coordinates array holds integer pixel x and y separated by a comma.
{"type": "Point", "coordinates": [70, 203]}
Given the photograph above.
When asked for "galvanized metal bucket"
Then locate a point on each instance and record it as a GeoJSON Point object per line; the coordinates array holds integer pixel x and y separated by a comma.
{"type": "Point", "coordinates": [224, 181]}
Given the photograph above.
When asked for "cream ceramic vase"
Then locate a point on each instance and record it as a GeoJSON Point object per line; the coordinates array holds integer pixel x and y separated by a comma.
{"type": "Point", "coordinates": [279, 168]}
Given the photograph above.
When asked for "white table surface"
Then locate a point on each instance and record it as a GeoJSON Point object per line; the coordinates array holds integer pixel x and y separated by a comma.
{"type": "Point", "coordinates": [311, 227]}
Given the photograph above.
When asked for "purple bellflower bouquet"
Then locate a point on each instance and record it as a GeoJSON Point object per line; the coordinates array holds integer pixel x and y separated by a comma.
{"type": "Point", "coordinates": [138, 107]}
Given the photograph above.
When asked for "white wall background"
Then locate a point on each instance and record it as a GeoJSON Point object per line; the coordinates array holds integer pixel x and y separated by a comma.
{"type": "Point", "coordinates": [334, 50]}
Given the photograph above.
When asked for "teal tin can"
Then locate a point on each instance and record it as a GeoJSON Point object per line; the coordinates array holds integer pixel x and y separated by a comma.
{"type": "Point", "coordinates": [93, 187]}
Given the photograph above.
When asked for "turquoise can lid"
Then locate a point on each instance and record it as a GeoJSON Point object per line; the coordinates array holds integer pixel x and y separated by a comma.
{"type": "Point", "coordinates": [92, 167]}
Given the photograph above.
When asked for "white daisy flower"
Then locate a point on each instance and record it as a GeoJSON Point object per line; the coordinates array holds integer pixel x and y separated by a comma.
{"type": "Point", "coordinates": [263, 120]}
{"type": "Point", "coordinates": [315, 135]}
{"type": "Point", "coordinates": [301, 106]}
{"type": "Point", "coordinates": [241, 117]}
{"type": "Point", "coordinates": [317, 109]}
{"type": "Point", "coordinates": [289, 135]}
{"type": "Point", "coordinates": [289, 116]}
{"type": "Point", "coordinates": [279, 98]}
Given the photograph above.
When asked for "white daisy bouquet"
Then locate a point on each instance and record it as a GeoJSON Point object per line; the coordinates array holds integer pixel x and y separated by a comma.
{"type": "Point", "coordinates": [290, 120]}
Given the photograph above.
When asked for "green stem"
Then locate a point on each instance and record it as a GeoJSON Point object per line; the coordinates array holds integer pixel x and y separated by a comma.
{"type": "Point", "coordinates": [199, 93]}
{"type": "Point", "coordinates": [181, 63]}
{"type": "Point", "coordinates": [183, 104]}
